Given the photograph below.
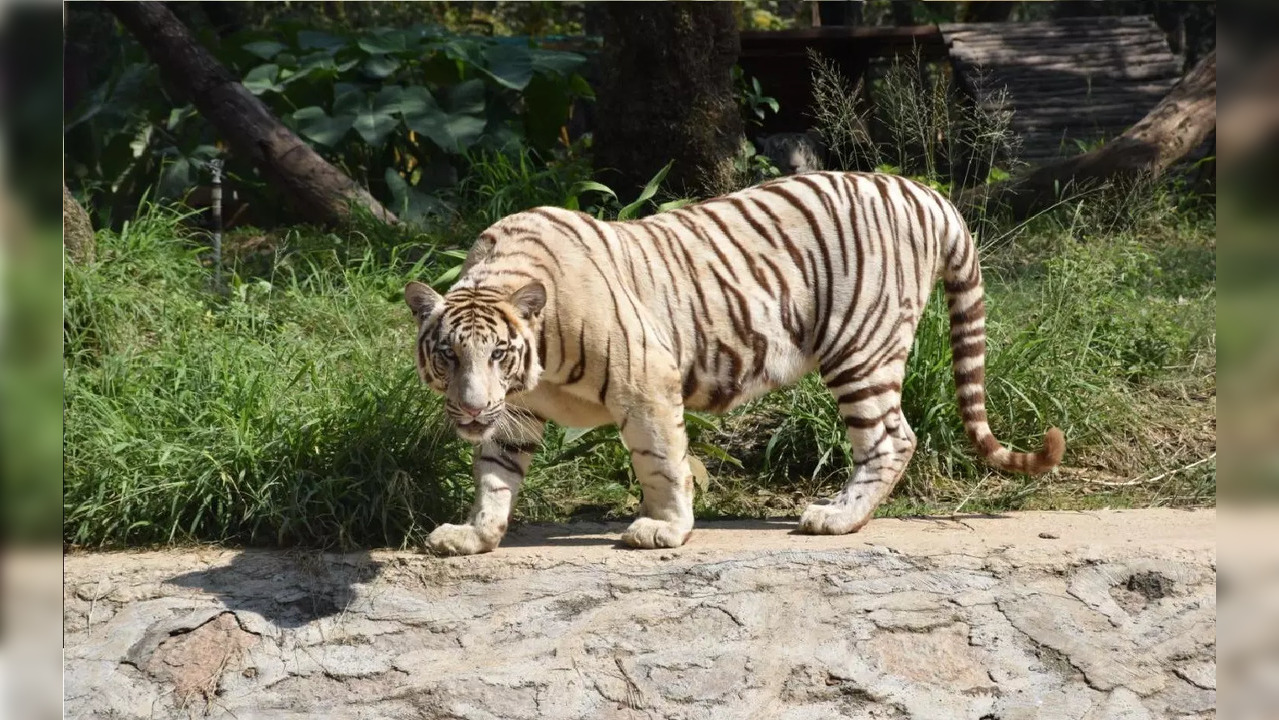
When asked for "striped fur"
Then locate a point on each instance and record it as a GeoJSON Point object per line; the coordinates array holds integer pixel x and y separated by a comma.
{"type": "Point", "coordinates": [703, 308]}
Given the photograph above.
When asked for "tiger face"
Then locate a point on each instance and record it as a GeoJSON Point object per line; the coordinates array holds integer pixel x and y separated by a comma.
{"type": "Point", "coordinates": [476, 346]}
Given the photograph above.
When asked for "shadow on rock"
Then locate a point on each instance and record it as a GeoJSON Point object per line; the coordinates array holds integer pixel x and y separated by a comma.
{"type": "Point", "coordinates": [287, 589]}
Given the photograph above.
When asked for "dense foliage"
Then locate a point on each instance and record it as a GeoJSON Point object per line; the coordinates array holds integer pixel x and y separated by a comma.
{"type": "Point", "coordinates": [399, 110]}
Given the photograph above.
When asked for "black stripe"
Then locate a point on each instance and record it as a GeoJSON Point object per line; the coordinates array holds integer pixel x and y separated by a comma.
{"type": "Point", "coordinates": [504, 462]}
{"type": "Point", "coordinates": [515, 448]}
{"type": "Point", "coordinates": [608, 351]}
{"type": "Point", "coordinates": [868, 392]}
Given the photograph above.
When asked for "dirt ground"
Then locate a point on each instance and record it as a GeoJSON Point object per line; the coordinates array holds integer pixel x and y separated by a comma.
{"type": "Point", "coordinates": [1108, 614]}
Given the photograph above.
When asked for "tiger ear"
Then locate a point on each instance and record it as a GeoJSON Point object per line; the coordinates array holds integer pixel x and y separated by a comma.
{"type": "Point", "coordinates": [421, 299]}
{"type": "Point", "coordinates": [530, 299]}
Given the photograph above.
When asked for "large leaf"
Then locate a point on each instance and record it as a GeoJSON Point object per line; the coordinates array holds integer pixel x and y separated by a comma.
{"type": "Point", "coordinates": [556, 62]}
{"type": "Point", "coordinates": [315, 40]}
{"type": "Point", "coordinates": [461, 50]}
{"type": "Point", "coordinates": [263, 79]}
{"type": "Point", "coordinates": [175, 177]}
{"type": "Point", "coordinates": [321, 64]}
{"type": "Point", "coordinates": [317, 126]}
{"type": "Point", "coordinates": [371, 118]}
{"type": "Point", "coordinates": [379, 66]}
{"type": "Point", "coordinates": [453, 128]}
{"type": "Point", "coordinates": [265, 49]}
{"type": "Point", "coordinates": [383, 42]}
{"type": "Point", "coordinates": [465, 98]}
{"type": "Point", "coordinates": [410, 204]}
{"type": "Point", "coordinates": [510, 65]}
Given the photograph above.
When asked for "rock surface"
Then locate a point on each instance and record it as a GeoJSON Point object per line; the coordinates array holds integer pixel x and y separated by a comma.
{"type": "Point", "coordinates": [1034, 615]}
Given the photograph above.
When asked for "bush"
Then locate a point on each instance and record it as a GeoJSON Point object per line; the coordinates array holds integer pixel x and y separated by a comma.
{"type": "Point", "coordinates": [396, 109]}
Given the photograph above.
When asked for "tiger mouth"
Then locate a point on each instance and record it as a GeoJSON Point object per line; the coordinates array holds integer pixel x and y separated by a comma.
{"type": "Point", "coordinates": [473, 429]}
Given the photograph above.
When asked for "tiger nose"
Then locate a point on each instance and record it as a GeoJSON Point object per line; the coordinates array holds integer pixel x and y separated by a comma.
{"type": "Point", "coordinates": [472, 410]}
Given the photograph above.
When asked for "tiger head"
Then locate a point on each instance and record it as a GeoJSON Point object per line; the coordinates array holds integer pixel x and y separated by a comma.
{"type": "Point", "coordinates": [476, 346]}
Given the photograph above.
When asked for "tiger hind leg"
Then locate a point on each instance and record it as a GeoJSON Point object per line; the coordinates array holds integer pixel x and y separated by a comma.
{"type": "Point", "coordinates": [883, 444]}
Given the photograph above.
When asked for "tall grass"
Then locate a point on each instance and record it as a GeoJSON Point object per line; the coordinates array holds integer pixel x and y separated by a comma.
{"type": "Point", "coordinates": [283, 413]}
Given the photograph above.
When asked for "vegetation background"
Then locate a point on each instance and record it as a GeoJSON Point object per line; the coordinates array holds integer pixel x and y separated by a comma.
{"type": "Point", "coordinates": [284, 408]}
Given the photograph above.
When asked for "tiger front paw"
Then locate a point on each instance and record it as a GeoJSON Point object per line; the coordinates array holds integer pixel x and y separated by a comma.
{"type": "Point", "coordinates": [833, 519]}
{"type": "Point", "coordinates": [450, 539]}
{"type": "Point", "coordinates": [651, 533]}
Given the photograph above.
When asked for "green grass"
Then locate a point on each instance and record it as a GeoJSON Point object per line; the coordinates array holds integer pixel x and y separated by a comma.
{"type": "Point", "coordinates": [288, 410]}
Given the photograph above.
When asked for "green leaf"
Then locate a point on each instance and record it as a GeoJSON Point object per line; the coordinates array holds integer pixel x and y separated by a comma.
{"type": "Point", "coordinates": [263, 79]}
{"type": "Point", "coordinates": [411, 204]}
{"type": "Point", "coordinates": [572, 435]}
{"type": "Point", "coordinates": [265, 49]}
{"type": "Point", "coordinates": [315, 125]}
{"type": "Point", "coordinates": [580, 87]}
{"type": "Point", "coordinates": [175, 178]}
{"type": "Point", "coordinates": [454, 129]}
{"type": "Point", "coordinates": [716, 452]}
{"type": "Point", "coordinates": [675, 204]}
{"type": "Point", "coordinates": [382, 42]}
{"type": "Point", "coordinates": [510, 65]}
{"type": "Point", "coordinates": [555, 62]}
{"type": "Point", "coordinates": [446, 278]}
{"type": "Point", "coordinates": [646, 194]}
{"type": "Point", "coordinates": [371, 120]}
{"type": "Point", "coordinates": [319, 63]}
{"type": "Point", "coordinates": [315, 40]}
{"type": "Point", "coordinates": [583, 186]}
{"type": "Point", "coordinates": [698, 421]}
{"type": "Point", "coordinates": [379, 66]}
{"type": "Point", "coordinates": [465, 98]}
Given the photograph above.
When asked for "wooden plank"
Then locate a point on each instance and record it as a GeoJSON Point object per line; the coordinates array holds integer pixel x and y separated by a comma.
{"type": "Point", "coordinates": [1040, 73]}
{"type": "Point", "coordinates": [1102, 105]}
{"type": "Point", "coordinates": [1017, 59]}
{"type": "Point", "coordinates": [1077, 86]}
{"type": "Point", "coordinates": [1080, 35]}
{"type": "Point", "coordinates": [1099, 58]}
{"type": "Point", "coordinates": [1041, 49]}
{"type": "Point", "coordinates": [988, 84]}
{"type": "Point", "coordinates": [1064, 38]}
{"type": "Point", "coordinates": [1100, 23]}
{"type": "Point", "coordinates": [1078, 97]}
{"type": "Point", "coordinates": [1014, 51]}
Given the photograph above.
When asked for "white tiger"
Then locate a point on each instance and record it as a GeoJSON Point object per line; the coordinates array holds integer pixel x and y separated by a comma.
{"type": "Point", "coordinates": [559, 316]}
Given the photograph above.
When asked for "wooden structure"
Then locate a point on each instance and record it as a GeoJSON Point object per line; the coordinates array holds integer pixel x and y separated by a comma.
{"type": "Point", "coordinates": [1069, 82]}
{"type": "Point", "coordinates": [1077, 79]}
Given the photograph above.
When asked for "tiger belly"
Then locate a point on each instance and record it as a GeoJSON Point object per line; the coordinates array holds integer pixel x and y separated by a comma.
{"type": "Point", "coordinates": [718, 392]}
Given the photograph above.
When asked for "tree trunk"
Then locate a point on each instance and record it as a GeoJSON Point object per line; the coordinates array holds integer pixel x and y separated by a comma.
{"type": "Point", "coordinates": [320, 191]}
{"type": "Point", "coordinates": [903, 12]}
{"type": "Point", "coordinates": [1174, 128]}
{"type": "Point", "coordinates": [837, 13]}
{"type": "Point", "coordinates": [988, 11]}
{"type": "Point", "coordinates": [666, 93]}
{"type": "Point", "coordinates": [77, 230]}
